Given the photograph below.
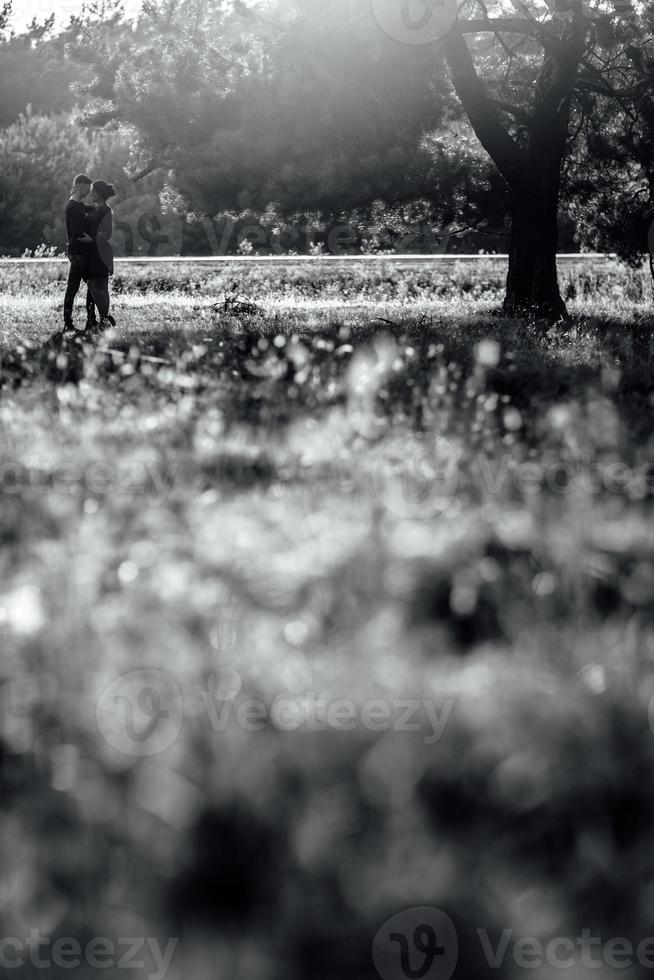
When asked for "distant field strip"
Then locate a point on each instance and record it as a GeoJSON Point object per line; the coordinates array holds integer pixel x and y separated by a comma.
{"type": "Point", "coordinates": [315, 260]}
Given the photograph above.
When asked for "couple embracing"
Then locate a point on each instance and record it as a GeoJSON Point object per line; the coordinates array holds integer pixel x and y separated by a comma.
{"type": "Point", "coordinates": [89, 228]}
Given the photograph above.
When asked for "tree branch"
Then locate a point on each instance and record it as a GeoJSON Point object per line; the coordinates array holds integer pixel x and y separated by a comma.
{"type": "Point", "coordinates": [605, 89]}
{"type": "Point", "coordinates": [480, 109]}
{"type": "Point", "coordinates": [513, 110]}
{"type": "Point", "coordinates": [509, 25]}
{"type": "Point", "coordinates": [496, 34]}
{"type": "Point", "coordinates": [142, 174]}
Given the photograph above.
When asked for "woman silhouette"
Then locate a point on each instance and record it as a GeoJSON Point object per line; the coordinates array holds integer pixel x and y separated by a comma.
{"type": "Point", "coordinates": [99, 227]}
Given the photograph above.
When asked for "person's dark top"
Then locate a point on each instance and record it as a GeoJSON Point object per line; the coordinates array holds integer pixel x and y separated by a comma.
{"type": "Point", "coordinates": [75, 213]}
{"type": "Point", "coordinates": [99, 225]}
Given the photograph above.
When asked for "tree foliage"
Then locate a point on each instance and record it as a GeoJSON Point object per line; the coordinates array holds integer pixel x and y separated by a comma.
{"type": "Point", "coordinates": [289, 110]}
{"type": "Point", "coordinates": [35, 69]}
{"type": "Point", "coordinates": [39, 156]}
{"type": "Point", "coordinates": [300, 107]}
{"type": "Point", "coordinates": [309, 113]}
{"type": "Point", "coordinates": [609, 183]}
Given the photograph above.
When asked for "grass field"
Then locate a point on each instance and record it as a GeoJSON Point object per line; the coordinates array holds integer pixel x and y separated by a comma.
{"type": "Point", "coordinates": [323, 609]}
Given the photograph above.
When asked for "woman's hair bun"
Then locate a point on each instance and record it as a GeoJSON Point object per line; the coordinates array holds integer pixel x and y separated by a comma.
{"type": "Point", "coordinates": [104, 189]}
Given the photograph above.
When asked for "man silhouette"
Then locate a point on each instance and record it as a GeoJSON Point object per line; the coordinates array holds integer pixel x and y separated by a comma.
{"type": "Point", "coordinates": [78, 250]}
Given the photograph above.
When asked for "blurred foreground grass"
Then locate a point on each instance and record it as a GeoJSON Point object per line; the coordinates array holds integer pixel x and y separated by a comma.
{"type": "Point", "coordinates": [317, 612]}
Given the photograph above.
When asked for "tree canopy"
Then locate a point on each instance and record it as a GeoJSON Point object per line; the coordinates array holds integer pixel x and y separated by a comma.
{"type": "Point", "coordinates": [35, 69]}
{"type": "Point", "coordinates": [294, 107]}
{"type": "Point", "coordinates": [523, 113]}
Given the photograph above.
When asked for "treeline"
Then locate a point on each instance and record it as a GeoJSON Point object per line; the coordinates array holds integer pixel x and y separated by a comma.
{"type": "Point", "coordinates": [40, 153]}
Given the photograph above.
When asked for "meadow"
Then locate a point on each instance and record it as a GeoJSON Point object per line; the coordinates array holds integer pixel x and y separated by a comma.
{"type": "Point", "coordinates": [327, 593]}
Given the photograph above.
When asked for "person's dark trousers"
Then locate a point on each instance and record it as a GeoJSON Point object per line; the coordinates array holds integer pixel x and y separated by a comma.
{"type": "Point", "coordinates": [99, 289]}
{"type": "Point", "coordinates": [90, 307]}
{"type": "Point", "coordinates": [76, 274]}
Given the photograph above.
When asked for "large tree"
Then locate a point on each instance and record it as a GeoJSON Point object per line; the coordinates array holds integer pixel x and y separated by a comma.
{"type": "Point", "coordinates": [307, 105]}
{"type": "Point", "coordinates": [549, 70]}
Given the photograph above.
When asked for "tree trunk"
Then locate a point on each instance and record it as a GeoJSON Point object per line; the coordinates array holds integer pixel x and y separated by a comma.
{"type": "Point", "coordinates": [532, 170]}
{"type": "Point", "coordinates": [532, 285]}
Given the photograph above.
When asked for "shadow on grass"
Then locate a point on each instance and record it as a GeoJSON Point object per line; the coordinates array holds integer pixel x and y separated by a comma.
{"type": "Point", "coordinates": [263, 371]}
